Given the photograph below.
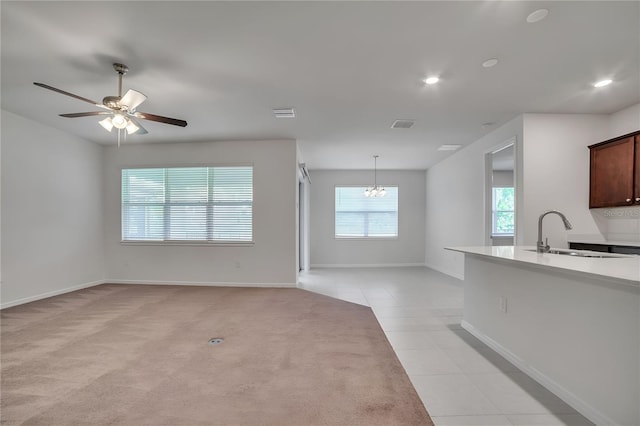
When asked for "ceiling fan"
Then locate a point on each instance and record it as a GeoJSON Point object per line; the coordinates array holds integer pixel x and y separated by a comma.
{"type": "Point", "coordinates": [121, 110]}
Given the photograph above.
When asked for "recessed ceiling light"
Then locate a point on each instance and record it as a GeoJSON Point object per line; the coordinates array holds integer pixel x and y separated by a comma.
{"type": "Point", "coordinates": [449, 147]}
{"type": "Point", "coordinates": [537, 15]}
{"type": "Point", "coordinates": [490, 63]}
{"type": "Point", "coordinates": [284, 113]}
{"type": "Point", "coordinates": [602, 83]}
{"type": "Point", "coordinates": [432, 80]}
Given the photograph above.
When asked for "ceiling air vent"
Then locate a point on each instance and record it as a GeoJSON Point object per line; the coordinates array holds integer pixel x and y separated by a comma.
{"type": "Point", "coordinates": [402, 124]}
{"type": "Point", "coordinates": [449, 147]}
{"type": "Point", "coordinates": [284, 113]}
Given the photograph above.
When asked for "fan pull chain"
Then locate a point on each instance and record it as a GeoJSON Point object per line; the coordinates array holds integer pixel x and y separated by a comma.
{"type": "Point", "coordinates": [119, 137]}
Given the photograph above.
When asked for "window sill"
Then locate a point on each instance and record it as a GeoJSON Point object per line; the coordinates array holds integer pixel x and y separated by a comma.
{"type": "Point", "coordinates": [190, 243]}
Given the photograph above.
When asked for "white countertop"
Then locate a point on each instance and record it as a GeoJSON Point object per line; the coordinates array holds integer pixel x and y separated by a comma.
{"type": "Point", "coordinates": [625, 268]}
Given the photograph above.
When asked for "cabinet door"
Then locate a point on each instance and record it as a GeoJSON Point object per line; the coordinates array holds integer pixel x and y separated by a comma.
{"type": "Point", "coordinates": [612, 176]}
{"type": "Point", "coordinates": [636, 195]}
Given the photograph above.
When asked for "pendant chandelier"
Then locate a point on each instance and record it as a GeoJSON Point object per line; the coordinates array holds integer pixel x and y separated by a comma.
{"type": "Point", "coordinates": [375, 190]}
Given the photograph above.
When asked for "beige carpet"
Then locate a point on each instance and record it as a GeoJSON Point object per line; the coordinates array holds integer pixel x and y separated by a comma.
{"type": "Point", "coordinates": [138, 355]}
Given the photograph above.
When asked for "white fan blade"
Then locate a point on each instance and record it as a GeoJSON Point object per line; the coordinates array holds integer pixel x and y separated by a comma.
{"type": "Point", "coordinates": [132, 99]}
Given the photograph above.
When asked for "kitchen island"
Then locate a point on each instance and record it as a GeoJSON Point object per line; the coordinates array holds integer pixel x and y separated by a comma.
{"type": "Point", "coordinates": [571, 323]}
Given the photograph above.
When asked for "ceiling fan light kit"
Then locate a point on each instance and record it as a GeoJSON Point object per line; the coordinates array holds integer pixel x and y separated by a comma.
{"type": "Point", "coordinates": [119, 121]}
{"type": "Point", "coordinates": [121, 110]}
{"type": "Point", "coordinates": [106, 123]}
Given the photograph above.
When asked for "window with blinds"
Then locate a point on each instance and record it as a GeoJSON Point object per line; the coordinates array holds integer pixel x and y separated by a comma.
{"type": "Point", "coordinates": [358, 216]}
{"type": "Point", "coordinates": [193, 204]}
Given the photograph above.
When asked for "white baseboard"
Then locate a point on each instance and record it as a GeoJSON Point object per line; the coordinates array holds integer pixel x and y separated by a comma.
{"type": "Point", "coordinates": [451, 274]}
{"type": "Point", "coordinates": [366, 265]}
{"type": "Point", "coordinates": [50, 294]}
{"type": "Point", "coordinates": [142, 282]}
{"type": "Point", "coordinates": [567, 396]}
{"type": "Point", "coordinates": [203, 284]}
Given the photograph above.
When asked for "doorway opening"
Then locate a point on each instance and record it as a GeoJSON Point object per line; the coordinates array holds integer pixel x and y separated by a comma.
{"type": "Point", "coordinates": [301, 226]}
{"type": "Point", "coordinates": [500, 195]}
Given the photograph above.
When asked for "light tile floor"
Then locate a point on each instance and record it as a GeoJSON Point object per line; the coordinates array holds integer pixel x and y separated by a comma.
{"type": "Point", "coordinates": [460, 380]}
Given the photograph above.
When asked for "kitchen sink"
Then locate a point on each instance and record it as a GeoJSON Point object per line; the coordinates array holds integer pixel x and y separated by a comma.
{"type": "Point", "coordinates": [580, 253]}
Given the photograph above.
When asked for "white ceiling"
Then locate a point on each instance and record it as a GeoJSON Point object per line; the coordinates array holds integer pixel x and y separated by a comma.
{"type": "Point", "coordinates": [348, 68]}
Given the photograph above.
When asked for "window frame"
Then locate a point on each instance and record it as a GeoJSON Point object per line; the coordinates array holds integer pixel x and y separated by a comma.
{"type": "Point", "coordinates": [366, 238]}
{"type": "Point", "coordinates": [205, 243]}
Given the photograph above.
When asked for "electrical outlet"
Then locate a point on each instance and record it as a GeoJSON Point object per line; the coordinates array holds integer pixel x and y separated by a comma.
{"type": "Point", "coordinates": [502, 304]}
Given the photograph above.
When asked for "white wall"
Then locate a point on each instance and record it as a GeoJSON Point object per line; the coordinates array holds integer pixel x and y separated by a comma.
{"type": "Point", "coordinates": [52, 212]}
{"type": "Point", "coordinates": [304, 228]}
{"type": "Point", "coordinates": [623, 224]}
{"type": "Point", "coordinates": [552, 172]}
{"type": "Point", "coordinates": [625, 121]}
{"type": "Point", "coordinates": [455, 199]}
{"type": "Point", "coordinates": [502, 178]}
{"type": "Point", "coordinates": [556, 174]}
{"type": "Point", "coordinates": [270, 261]}
{"type": "Point", "coordinates": [567, 137]}
{"type": "Point", "coordinates": [1, 212]}
{"type": "Point", "coordinates": [407, 249]}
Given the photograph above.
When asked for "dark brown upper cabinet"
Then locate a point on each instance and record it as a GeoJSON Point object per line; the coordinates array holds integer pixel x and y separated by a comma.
{"type": "Point", "coordinates": [615, 172]}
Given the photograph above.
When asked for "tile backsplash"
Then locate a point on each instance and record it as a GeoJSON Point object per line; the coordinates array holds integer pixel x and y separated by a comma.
{"type": "Point", "coordinates": [622, 223]}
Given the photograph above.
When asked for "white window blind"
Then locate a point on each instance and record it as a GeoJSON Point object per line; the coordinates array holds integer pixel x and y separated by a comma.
{"type": "Point", "coordinates": [206, 204]}
{"type": "Point", "coordinates": [358, 216]}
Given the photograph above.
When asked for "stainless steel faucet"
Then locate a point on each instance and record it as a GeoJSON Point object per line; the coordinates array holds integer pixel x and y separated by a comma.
{"type": "Point", "coordinates": [543, 247]}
